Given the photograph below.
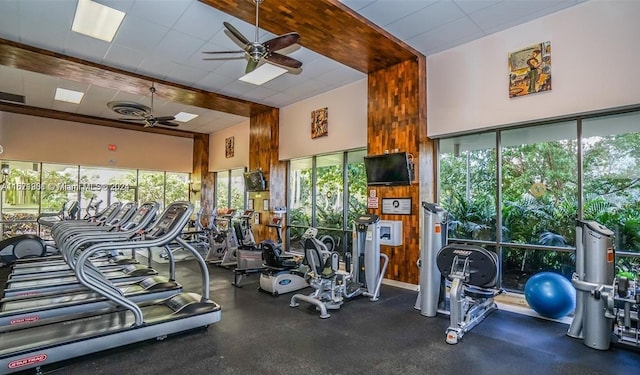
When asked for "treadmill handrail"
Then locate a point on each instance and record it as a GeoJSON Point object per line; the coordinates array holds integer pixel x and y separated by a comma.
{"type": "Point", "coordinates": [73, 244]}
{"type": "Point", "coordinates": [101, 285]}
{"type": "Point", "coordinates": [70, 232]}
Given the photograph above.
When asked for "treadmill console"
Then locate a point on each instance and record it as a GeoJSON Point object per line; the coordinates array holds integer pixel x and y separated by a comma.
{"type": "Point", "coordinates": [167, 221]}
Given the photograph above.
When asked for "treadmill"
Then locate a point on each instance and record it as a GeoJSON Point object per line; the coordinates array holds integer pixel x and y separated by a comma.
{"type": "Point", "coordinates": [43, 344]}
{"type": "Point", "coordinates": [20, 286]}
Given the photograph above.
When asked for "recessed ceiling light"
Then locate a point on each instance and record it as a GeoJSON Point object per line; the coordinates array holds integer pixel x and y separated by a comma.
{"type": "Point", "coordinates": [262, 74]}
{"type": "Point", "coordinates": [185, 116]}
{"type": "Point", "coordinates": [96, 20]}
{"type": "Point", "coordinates": [69, 96]}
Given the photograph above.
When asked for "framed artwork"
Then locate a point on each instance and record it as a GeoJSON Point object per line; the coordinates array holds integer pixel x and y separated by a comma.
{"type": "Point", "coordinates": [530, 70]}
{"type": "Point", "coordinates": [250, 204]}
{"type": "Point", "coordinates": [228, 147]}
{"type": "Point", "coordinates": [320, 122]}
{"type": "Point", "coordinates": [265, 205]}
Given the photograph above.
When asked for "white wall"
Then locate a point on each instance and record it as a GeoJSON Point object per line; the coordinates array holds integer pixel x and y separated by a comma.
{"type": "Point", "coordinates": [31, 138]}
{"type": "Point", "coordinates": [217, 159]}
{"type": "Point", "coordinates": [594, 65]}
{"type": "Point", "coordinates": [347, 107]}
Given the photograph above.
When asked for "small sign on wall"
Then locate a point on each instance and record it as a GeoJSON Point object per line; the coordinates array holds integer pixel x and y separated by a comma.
{"type": "Point", "coordinates": [396, 206]}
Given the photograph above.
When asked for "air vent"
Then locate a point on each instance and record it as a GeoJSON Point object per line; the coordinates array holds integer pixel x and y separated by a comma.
{"type": "Point", "coordinates": [7, 97]}
{"type": "Point", "coordinates": [130, 109]}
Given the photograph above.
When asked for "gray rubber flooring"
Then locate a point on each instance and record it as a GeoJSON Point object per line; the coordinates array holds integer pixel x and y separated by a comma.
{"type": "Point", "coordinates": [261, 334]}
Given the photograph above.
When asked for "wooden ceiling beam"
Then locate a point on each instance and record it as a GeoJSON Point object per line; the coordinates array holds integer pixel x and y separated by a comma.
{"type": "Point", "coordinates": [327, 27]}
{"type": "Point", "coordinates": [74, 117]}
{"type": "Point", "coordinates": [50, 63]}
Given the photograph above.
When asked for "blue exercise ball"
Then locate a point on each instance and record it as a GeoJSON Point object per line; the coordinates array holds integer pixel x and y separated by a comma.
{"type": "Point", "coordinates": [550, 295]}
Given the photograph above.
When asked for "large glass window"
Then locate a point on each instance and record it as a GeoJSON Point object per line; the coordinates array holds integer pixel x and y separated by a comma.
{"type": "Point", "coordinates": [20, 199]}
{"type": "Point", "coordinates": [539, 197]}
{"type": "Point", "coordinates": [230, 191]}
{"type": "Point", "coordinates": [33, 189]}
{"type": "Point", "coordinates": [611, 165]}
{"type": "Point", "coordinates": [540, 184]}
{"type": "Point", "coordinates": [300, 192]}
{"type": "Point", "coordinates": [468, 185]}
{"type": "Point", "coordinates": [316, 196]}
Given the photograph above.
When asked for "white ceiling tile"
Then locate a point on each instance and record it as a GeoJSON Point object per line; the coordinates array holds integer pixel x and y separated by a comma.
{"type": "Point", "coordinates": [470, 6]}
{"type": "Point", "coordinates": [123, 57]}
{"type": "Point", "coordinates": [238, 88]}
{"type": "Point", "coordinates": [165, 13]}
{"type": "Point", "coordinates": [430, 42]}
{"type": "Point", "coordinates": [58, 12]}
{"type": "Point", "coordinates": [497, 17]}
{"type": "Point", "coordinates": [260, 93]}
{"type": "Point", "coordinates": [156, 67]}
{"type": "Point", "coordinates": [187, 75]}
{"type": "Point", "coordinates": [51, 36]}
{"type": "Point", "coordinates": [11, 82]}
{"type": "Point", "coordinates": [212, 81]}
{"type": "Point", "coordinates": [178, 47]}
{"type": "Point", "coordinates": [9, 26]}
{"type": "Point", "coordinates": [138, 33]}
{"type": "Point", "coordinates": [338, 77]}
{"type": "Point", "coordinates": [121, 5]}
{"type": "Point", "coordinates": [201, 21]}
{"type": "Point", "coordinates": [384, 12]}
{"type": "Point", "coordinates": [357, 4]}
{"type": "Point", "coordinates": [285, 82]}
{"type": "Point", "coordinates": [85, 47]}
{"type": "Point", "coordinates": [232, 69]}
{"type": "Point", "coordinates": [425, 19]}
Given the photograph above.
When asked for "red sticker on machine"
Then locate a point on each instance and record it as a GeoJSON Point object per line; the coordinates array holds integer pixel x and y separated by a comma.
{"type": "Point", "coordinates": [25, 319]}
{"type": "Point", "coordinates": [437, 228]}
{"type": "Point", "coordinates": [27, 361]}
{"type": "Point", "coordinates": [610, 256]}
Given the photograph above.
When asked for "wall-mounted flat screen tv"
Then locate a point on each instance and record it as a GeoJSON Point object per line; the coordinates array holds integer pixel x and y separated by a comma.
{"type": "Point", "coordinates": [387, 169]}
{"type": "Point", "coordinates": [255, 181]}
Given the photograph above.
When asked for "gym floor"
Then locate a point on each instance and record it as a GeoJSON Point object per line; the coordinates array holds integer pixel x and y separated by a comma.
{"type": "Point", "coordinates": [261, 334]}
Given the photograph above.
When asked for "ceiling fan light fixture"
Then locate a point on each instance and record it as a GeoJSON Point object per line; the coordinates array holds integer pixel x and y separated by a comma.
{"type": "Point", "coordinates": [97, 20]}
{"type": "Point", "coordinates": [68, 96]}
{"type": "Point", "coordinates": [263, 74]}
{"type": "Point", "coordinates": [185, 116]}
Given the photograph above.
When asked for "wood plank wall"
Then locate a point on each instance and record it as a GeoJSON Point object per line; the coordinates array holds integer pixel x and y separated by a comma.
{"type": "Point", "coordinates": [397, 120]}
{"type": "Point", "coordinates": [264, 144]}
{"type": "Point", "coordinates": [201, 184]}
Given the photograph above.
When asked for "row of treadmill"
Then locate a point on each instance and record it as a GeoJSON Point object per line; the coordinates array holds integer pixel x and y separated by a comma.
{"type": "Point", "coordinates": [93, 294]}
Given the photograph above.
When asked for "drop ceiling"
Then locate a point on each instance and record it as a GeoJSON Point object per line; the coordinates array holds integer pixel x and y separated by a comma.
{"type": "Point", "coordinates": [164, 40]}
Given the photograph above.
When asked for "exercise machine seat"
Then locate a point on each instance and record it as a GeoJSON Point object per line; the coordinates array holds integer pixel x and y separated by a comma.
{"type": "Point", "coordinates": [273, 257]}
{"type": "Point", "coordinates": [483, 264]}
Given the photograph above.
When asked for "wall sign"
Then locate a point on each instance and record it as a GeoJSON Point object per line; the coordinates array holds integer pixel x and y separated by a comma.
{"type": "Point", "coordinates": [396, 206]}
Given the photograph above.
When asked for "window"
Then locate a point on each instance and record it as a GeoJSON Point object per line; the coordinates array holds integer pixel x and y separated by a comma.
{"type": "Point", "coordinates": [537, 171]}
{"type": "Point", "coordinates": [468, 185]}
{"type": "Point", "coordinates": [20, 199]}
{"type": "Point", "coordinates": [611, 160]}
{"type": "Point", "coordinates": [317, 198]}
{"type": "Point", "coordinates": [230, 191]}
{"type": "Point", "coordinates": [35, 188]}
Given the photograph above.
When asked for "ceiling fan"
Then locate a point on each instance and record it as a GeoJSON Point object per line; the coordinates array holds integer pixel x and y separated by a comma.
{"type": "Point", "coordinates": [257, 52]}
{"type": "Point", "coordinates": [141, 112]}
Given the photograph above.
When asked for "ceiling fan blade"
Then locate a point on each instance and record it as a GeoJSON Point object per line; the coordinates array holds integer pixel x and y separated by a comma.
{"type": "Point", "coordinates": [283, 60]}
{"type": "Point", "coordinates": [282, 41]}
{"type": "Point", "coordinates": [217, 52]}
{"type": "Point", "coordinates": [225, 58]}
{"type": "Point", "coordinates": [236, 33]}
{"type": "Point", "coordinates": [130, 119]}
{"type": "Point", "coordinates": [251, 66]}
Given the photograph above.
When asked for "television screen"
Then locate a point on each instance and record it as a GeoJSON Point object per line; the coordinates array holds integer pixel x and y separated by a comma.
{"type": "Point", "coordinates": [254, 181]}
{"type": "Point", "coordinates": [387, 169]}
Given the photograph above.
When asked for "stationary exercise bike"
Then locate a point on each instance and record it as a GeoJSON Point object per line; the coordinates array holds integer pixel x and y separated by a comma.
{"type": "Point", "coordinates": [285, 273]}
{"type": "Point", "coordinates": [363, 274]}
{"type": "Point", "coordinates": [472, 271]}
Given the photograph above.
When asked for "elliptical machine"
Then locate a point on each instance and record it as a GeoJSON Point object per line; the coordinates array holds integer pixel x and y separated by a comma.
{"type": "Point", "coordinates": [362, 276]}
{"type": "Point", "coordinates": [472, 270]}
{"type": "Point", "coordinates": [607, 306]}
